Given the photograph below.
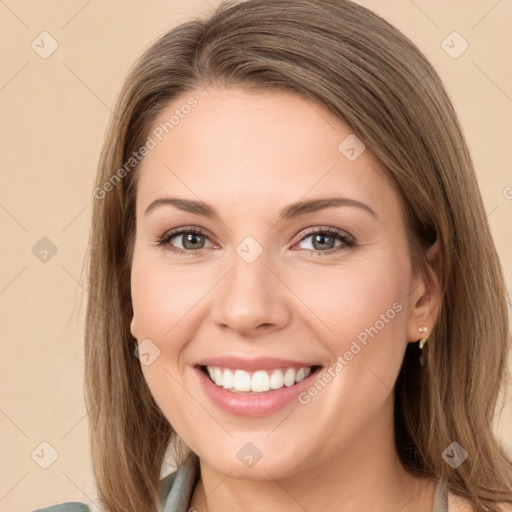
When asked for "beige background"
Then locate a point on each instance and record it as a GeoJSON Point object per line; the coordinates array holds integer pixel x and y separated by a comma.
{"type": "Point", "coordinates": [54, 114]}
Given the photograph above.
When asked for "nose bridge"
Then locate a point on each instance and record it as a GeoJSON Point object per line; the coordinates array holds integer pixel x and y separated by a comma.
{"type": "Point", "coordinates": [250, 294]}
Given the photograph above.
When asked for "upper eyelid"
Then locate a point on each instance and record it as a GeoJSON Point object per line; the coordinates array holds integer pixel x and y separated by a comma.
{"type": "Point", "coordinates": [306, 232]}
{"type": "Point", "coordinates": [187, 229]}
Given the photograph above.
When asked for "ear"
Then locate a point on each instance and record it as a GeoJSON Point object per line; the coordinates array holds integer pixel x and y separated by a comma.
{"type": "Point", "coordinates": [425, 296]}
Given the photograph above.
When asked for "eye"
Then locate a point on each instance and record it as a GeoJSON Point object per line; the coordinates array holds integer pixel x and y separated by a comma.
{"type": "Point", "coordinates": [323, 240]}
{"type": "Point", "coordinates": [191, 243]}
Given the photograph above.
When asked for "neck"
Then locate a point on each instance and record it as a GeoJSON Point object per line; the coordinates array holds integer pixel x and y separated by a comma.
{"type": "Point", "coordinates": [365, 475]}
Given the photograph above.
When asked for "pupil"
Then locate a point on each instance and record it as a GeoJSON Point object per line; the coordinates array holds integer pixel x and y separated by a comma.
{"type": "Point", "coordinates": [322, 238]}
{"type": "Point", "coordinates": [190, 238]}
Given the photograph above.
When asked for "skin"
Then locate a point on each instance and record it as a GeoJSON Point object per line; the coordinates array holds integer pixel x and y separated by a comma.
{"type": "Point", "coordinates": [249, 155]}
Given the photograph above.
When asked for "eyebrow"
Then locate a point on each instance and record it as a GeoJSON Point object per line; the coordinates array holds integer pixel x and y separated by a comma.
{"type": "Point", "coordinates": [289, 212]}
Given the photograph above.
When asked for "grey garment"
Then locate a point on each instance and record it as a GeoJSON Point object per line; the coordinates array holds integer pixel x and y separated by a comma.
{"type": "Point", "coordinates": [176, 492]}
{"type": "Point", "coordinates": [177, 489]}
{"type": "Point", "coordinates": [70, 506]}
{"type": "Point", "coordinates": [440, 498]}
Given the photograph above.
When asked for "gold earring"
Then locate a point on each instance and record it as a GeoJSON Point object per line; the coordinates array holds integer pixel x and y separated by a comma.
{"type": "Point", "coordinates": [423, 329]}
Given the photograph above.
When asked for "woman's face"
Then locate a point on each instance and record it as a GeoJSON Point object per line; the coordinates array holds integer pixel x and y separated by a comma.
{"type": "Point", "coordinates": [310, 329]}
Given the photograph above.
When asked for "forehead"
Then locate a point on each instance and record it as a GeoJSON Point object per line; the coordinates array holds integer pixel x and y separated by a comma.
{"type": "Point", "coordinates": [257, 149]}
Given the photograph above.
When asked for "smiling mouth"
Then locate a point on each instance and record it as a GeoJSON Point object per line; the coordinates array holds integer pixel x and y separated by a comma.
{"type": "Point", "coordinates": [260, 381]}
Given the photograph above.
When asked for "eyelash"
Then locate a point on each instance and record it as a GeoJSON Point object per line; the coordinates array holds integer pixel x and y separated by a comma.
{"type": "Point", "coordinates": [348, 241]}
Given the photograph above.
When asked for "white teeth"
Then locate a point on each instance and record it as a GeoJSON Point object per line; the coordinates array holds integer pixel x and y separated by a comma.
{"type": "Point", "coordinates": [289, 377]}
{"type": "Point", "coordinates": [260, 381]}
{"type": "Point", "coordinates": [228, 379]}
{"type": "Point", "coordinates": [242, 381]}
{"type": "Point", "coordinates": [276, 379]}
{"type": "Point", "coordinates": [218, 375]}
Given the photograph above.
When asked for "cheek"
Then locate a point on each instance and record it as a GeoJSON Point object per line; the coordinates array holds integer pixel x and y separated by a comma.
{"type": "Point", "coordinates": [359, 301]}
{"type": "Point", "coordinates": [359, 315]}
{"type": "Point", "coordinates": [163, 300]}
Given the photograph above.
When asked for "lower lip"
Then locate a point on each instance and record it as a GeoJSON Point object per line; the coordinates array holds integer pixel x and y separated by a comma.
{"type": "Point", "coordinates": [253, 405]}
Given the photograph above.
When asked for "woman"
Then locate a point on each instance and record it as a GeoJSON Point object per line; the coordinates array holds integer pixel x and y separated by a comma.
{"type": "Point", "coordinates": [293, 286]}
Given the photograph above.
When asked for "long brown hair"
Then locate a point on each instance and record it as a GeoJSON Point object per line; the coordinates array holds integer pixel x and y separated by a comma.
{"type": "Point", "coordinates": [347, 59]}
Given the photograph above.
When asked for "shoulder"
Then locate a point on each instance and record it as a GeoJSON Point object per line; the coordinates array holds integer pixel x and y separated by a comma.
{"type": "Point", "coordinates": [175, 490]}
{"type": "Point", "coordinates": [70, 506]}
{"type": "Point", "coordinates": [457, 503]}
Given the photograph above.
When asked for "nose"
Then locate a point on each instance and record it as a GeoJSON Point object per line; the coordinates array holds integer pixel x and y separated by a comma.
{"type": "Point", "coordinates": [251, 298]}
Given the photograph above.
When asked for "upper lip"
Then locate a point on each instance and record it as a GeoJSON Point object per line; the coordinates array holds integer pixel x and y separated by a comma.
{"type": "Point", "coordinates": [252, 364]}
